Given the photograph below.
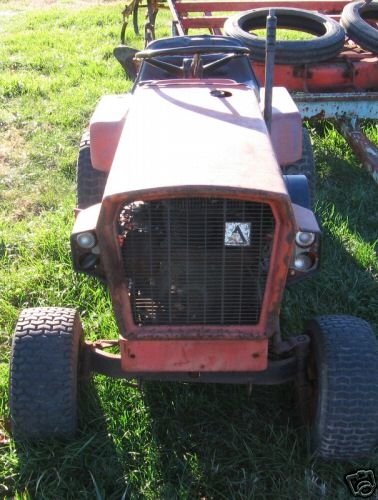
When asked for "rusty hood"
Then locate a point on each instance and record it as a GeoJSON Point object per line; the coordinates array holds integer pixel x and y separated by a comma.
{"type": "Point", "coordinates": [196, 135]}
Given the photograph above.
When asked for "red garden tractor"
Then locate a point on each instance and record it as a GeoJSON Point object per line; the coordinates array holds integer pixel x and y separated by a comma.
{"type": "Point", "coordinates": [195, 207]}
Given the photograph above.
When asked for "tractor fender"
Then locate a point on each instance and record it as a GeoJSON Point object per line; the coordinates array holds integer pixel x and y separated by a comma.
{"type": "Point", "coordinates": [297, 187]}
{"type": "Point", "coordinates": [105, 129]}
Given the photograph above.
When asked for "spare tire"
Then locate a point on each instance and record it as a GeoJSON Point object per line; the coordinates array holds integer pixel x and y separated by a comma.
{"type": "Point", "coordinates": [353, 19]}
{"type": "Point", "coordinates": [329, 41]}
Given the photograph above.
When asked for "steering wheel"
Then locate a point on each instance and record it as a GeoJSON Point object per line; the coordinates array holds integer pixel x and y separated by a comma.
{"type": "Point", "coordinates": [194, 68]}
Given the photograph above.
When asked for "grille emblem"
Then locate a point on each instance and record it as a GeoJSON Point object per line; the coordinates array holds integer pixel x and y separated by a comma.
{"type": "Point", "coordinates": [237, 234]}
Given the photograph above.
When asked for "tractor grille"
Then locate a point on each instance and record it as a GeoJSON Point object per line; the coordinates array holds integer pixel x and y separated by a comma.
{"type": "Point", "coordinates": [196, 260]}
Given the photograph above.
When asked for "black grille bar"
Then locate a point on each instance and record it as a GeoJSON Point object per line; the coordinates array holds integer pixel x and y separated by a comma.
{"type": "Point", "coordinates": [182, 268]}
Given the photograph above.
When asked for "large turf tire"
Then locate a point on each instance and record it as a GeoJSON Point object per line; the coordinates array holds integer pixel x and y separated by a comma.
{"type": "Point", "coordinates": [356, 27]}
{"type": "Point", "coordinates": [43, 373]}
{"type": "Point", "coordinates": [305, 166]}
{"type": "Point", "coordinates": [90, 182]}
{"type": "Point", "coordinates": [328, 43]}
{"type": "Point", "coordinates": [343, 371]}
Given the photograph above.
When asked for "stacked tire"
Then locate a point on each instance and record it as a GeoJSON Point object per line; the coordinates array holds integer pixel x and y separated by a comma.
{"type": "Point", "coordinates": [328, 42]}
{"type": "Point", "coordinates": [355, 19]}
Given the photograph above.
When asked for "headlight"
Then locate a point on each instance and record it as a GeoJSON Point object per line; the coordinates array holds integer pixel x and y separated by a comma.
{"type": "Point", "coordinates": [86, 240]}
{"type": "Point", "coordinates": [303, 262]}
{"type": "Point", "coordinates": [304, 239]}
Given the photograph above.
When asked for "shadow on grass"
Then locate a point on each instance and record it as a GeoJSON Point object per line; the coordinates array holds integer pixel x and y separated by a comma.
{"type": "Point", "coordinates": [86, 467]}
{"type": "Point", "coordinates": [343, 286]}
{"type": "Point", "coordinates": [216, 442]}
{"type": "Point", "coordinates": [345, 183]}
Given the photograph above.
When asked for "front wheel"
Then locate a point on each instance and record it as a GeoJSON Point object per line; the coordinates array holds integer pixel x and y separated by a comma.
{"type": "Point", "coordinates": [44, 372]}
{"type": "Point", "coordinates": [343, 387]}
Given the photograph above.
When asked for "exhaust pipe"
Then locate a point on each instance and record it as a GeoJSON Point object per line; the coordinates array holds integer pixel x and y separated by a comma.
{"type": "Point", "coordinates": [270, 49]}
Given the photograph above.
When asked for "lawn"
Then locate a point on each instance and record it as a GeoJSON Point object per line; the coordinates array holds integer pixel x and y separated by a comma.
{"type": "Point", "coordinates": [169, 440]}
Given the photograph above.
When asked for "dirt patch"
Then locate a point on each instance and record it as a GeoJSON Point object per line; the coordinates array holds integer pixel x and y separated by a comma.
{"type": "Point", "coordinates": [12, 151]}
{"type": "Point", "coordinates": [17, 192]}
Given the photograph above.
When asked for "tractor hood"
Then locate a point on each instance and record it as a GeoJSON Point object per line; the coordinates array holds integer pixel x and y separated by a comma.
{"type": "Point", "coordinates": [194, 135]}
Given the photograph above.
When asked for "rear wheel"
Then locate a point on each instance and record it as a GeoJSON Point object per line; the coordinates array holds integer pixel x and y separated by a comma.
{"type": "Point", "coordinates": [90, 182]}
{"type": "Point", "coordinates": [43, 373]}
{"type": "Point", "coordinates": [342, 387]}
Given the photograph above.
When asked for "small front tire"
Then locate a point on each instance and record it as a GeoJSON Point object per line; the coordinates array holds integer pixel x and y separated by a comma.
{"type": "Point", "coordinates": [343, 383]}
{"type": "Point", "coordinates": [44, 372]}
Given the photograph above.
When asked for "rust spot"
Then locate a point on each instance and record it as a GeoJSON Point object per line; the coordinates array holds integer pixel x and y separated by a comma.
{"type": "Point", "coordinates": [274, 312]}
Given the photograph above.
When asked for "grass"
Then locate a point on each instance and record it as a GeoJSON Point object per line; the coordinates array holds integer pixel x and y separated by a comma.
{"type": "Point", "coordinates": [285, 34]}
{"type": "Point", "coordinates": [171, 440]}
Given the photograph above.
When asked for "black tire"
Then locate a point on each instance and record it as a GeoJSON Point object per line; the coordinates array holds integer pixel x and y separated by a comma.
{"type": "Point", "coordinates": [329, 41]}
{"type": "Point", "coordinates": [305, 166]}
{"type": "Point", "coordinates": [43, 373]}
{"type": "Point", "coordinates": [343, 371]}
{"type": "Point", "coordinates": [90, 182]}
{"type": "Point", "coordinates": [353, 20]}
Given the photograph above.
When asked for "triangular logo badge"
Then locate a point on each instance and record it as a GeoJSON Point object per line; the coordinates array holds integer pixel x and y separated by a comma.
{"type": "Point", "coordinates": [237, 234]}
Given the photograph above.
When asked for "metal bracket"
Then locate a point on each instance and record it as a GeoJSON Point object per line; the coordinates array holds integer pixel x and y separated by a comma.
{"type": "Point", "coordinates": [94, 359]}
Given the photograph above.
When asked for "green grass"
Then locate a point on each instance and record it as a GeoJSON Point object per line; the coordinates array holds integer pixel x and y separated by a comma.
{"type": "Point", "coordinates": [285, 34]}
{"type": "Point", "coordinates": [171, 440]}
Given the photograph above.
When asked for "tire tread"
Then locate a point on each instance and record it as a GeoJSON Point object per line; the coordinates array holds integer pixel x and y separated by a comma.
{"type": "Point", "coordinates": [346, 424]}
{"type": "Point", "coordinates": [43, 373]}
